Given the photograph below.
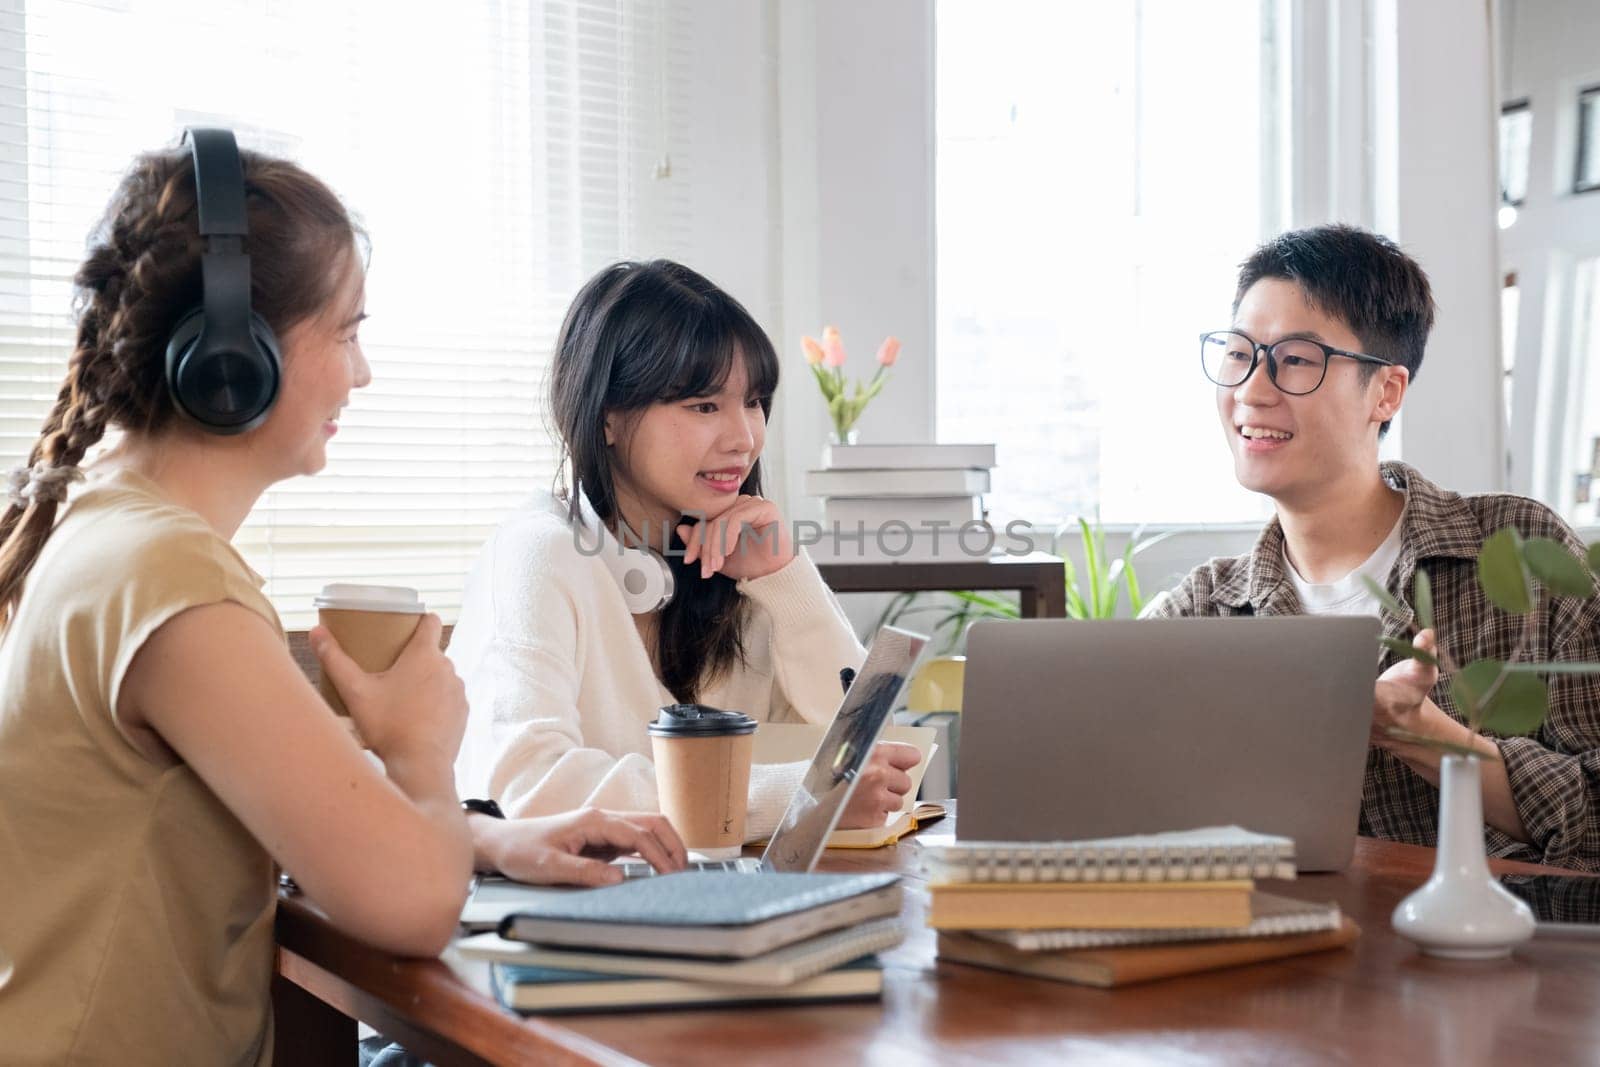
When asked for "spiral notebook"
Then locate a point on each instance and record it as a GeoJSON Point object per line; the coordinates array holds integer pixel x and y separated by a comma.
{"type": "Point", "coordinates": [1210, 854]}
{"type": "Point", "coordinates": [1271, 916]}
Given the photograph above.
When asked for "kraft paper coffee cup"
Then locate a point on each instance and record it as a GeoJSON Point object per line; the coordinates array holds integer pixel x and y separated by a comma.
{"type": "Point", "coordinates": [703, 757]}
{"type": "Point", "coordinates": [372, 623]}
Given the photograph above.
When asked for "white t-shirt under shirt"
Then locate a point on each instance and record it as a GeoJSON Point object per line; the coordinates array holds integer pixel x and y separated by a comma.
{"type": "Point", "coordinates": [1349, 595]}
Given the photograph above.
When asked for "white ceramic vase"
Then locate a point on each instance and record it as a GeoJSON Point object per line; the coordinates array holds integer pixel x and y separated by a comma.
{"type": "Point", "coordinates": [1461, 912]}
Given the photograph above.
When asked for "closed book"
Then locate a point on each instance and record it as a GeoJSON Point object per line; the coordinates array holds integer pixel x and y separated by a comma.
{"type": "Point", "coordinates": [542, 989]}
{"type": "Point", "coordinates": [1108, 967]}
{"type": "Point", "coordinates": [781, 967]}
{"type": "Point", "coordinates": [931, 513]}
{"type": "Point", "coordinates": [847, 457]}
{"type": "Point", "coordinates": [894, 827]}
{"type": "Point", "coordinates": [707, 913]}
{"type": "Point", "coordinates": [1048, 906]}
{"type": "Point", "coordinates": [1209, 854]}
{"type": "Point", "coordinates": [1271, 916]}
{"type": "Point", "coordinates": [951, 481]}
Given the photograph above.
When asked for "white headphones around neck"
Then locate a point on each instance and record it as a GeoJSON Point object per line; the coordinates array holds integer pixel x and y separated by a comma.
{"type": "Point", "coordinates": [642, 576]}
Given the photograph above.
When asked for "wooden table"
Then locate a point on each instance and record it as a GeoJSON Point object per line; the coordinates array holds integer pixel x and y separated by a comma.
{"type": "Point", "coordinates": [1377, 1002]}
{"type": "Point", "coordinates": [1038, 578]}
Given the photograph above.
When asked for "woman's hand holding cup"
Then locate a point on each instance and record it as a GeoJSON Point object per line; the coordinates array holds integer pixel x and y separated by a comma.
{"type": "Point", "coordinates": [415, 710]}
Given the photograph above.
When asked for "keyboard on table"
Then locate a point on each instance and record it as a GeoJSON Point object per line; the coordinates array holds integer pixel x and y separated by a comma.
{"type": "Point", "coordinates": [741, 865]}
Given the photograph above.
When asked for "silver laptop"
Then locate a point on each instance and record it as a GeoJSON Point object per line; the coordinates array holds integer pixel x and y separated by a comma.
{"type": "Point", "coordinates": [820, 799]}
{"type": "Point", "coordinates": [813, 810]}
{"type": "Point", "coordinates": [1077, 729]}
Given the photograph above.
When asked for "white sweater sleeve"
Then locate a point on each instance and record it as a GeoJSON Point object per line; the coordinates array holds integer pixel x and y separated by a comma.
{"type": "Point", "coordinates": [541, 765]}
{"type": "Point", "coordinates": [811, 641]}
{"type": "Point", "coordinates": [524, 690]}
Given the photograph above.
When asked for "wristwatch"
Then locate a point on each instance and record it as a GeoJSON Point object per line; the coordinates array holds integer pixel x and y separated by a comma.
{"type": "Point", "coordinates": [483, 807]}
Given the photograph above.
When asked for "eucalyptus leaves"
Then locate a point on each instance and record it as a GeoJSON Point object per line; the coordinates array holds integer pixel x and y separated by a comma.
{"type": "Point", "coordinates": [1506, 696]}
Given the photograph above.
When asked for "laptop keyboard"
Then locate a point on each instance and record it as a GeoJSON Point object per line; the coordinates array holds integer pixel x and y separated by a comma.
{"type": "Point", "coordinates": [744, 865]}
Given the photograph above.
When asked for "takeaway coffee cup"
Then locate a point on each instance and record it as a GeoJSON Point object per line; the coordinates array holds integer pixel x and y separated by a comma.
{"type": "Point", "coordinates": [703, 759]}
{"type": "Point", "coordinates": [372, 623]}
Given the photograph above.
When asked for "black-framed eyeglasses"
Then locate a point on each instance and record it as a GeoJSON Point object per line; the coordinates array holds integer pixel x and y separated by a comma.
{"type": "Point", "coordinates": [1296, 365]}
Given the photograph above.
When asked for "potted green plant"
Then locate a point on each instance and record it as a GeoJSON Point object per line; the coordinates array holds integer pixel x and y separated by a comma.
{"type": "Point", "coordinates": [1094, 592]}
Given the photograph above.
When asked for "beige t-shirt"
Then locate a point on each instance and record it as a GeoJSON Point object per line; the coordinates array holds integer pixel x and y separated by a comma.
{"type": "Point", "coordinates": [135, 909]}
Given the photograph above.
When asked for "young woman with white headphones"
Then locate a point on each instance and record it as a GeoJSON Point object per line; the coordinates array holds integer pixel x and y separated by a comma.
{"type": "Point", "coordinates": [660, 393]}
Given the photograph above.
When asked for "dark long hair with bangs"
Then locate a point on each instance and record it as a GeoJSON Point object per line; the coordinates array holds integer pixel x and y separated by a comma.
{"type": "Point", "coordinates": [640, 334]}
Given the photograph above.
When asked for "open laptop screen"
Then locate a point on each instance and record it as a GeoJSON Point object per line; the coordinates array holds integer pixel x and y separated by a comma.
{"type": "Point", "coordinates": [815, 808]}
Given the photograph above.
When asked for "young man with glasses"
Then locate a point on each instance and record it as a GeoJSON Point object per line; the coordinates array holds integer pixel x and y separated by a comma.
{"type": "Point", "coordinates": [1328, 331]}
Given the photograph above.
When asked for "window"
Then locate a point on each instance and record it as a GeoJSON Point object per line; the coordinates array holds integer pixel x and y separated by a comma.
{"type": "Point", "coordinates": [1582, 471]}
{"type": "Point", "coordinates": [497, 152]}
{"type": "Point", "coordinates": [1101, 171]}
{"type": "Point", "coordinates": [1588, 176]}
{"type": "Point", "coordinates": [1516, 138]}
{"type": "Point", "coordinates": [1510, 305]}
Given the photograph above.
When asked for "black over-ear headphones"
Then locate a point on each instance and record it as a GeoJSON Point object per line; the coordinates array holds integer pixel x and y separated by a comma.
{"type": "Point", "coordinates": [223, 367]}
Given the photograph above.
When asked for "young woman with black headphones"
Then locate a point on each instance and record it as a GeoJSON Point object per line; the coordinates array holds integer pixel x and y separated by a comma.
{"type": "Point", "coordinates": [660, 393]}
{"type": "Point", "coordinates": [159, 749]}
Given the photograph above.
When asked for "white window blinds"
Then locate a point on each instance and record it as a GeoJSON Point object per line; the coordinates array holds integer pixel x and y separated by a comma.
{"type": "Point", "coordinates": [498, 152]}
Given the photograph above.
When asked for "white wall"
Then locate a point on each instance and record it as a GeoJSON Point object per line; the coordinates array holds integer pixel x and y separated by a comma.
{"type": "Point", "coordinates": [856, 147]}
{"type": "Point", "coordinates": [812, 141]}
{"type": "Point", "coordinates": [1435, 178]}
{"type": "Point", "coordinates": [1547, 50]}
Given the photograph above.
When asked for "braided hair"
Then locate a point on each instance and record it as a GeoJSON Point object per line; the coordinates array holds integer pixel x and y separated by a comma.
{"type": "Point", "coordinates": [141, 275]}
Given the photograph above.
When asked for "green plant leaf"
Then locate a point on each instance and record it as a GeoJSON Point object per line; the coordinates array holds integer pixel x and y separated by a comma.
{"type": "Point", "coordinates": [1435, 743]}
{"type": "Point", "coordinates": [1518, 706]}
{"type": "Point", "coordinates": [1594, 557]}
{"type": "Point", "coordinates": [1422, 599]}
{"type": "Point", "coordinates": [997, 607]}
{"type": "Point", "coordinates": [901, 605]}
{"type": "Point", "coordinates": [1406, 650]}
{"type": "Point", "coordinates": [1386, 598]}
{"type": "Point", "coordinates": [1554, 668]}
{"type": "Point", "coordinates": [1470, 685]}
{"type": "Point", "coordinates": [1557, 568]}
{"type": "Point", "coordinates": [1135, 597]}
{"type": "Point", "coordinates": [1503, 574]}
{"type": "Point", "coordinates": [1091, 563]}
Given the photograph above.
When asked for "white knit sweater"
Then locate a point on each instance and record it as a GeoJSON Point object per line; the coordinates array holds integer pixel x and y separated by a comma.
{"type": "Point", "coordinates": [561, 688]}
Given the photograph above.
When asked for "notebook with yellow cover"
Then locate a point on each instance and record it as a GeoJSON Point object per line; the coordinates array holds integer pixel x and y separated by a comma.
{"type": "Point", "coordinates": [1089, 905]}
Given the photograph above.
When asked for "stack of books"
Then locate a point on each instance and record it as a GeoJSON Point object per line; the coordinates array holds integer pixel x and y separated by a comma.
{"type": "Point", "coordinates": [903, 502]}
{"type": "Point", "coordinates": [1121, 910]}
{"type": "Point", "coordinates": [694, 938]}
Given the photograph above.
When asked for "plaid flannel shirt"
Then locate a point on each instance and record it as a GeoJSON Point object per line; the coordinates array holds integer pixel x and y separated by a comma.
{"type": "Point", "coordinates": [1554, 774]}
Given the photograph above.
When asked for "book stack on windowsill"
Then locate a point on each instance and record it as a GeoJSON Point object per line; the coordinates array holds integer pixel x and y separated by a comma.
{"type": "Point", "coordinates": [908, 503]}
{"type": "Point", "coordinates": [695, 938]}
{"type": "Point", "coordinates": [1122, 910]}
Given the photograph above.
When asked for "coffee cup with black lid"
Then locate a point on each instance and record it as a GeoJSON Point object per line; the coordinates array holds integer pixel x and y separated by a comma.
{"type": "Point", "coordinates": [703, 756]}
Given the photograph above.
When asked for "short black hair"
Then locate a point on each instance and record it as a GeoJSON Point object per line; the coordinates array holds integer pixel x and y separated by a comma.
{"type": "Point", "coordinates": [1363, 278]}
